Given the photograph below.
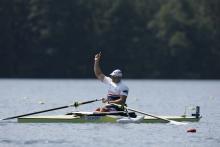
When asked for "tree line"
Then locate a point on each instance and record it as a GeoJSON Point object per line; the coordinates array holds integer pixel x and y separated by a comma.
{"type": "Point", "coordinates": [146, 39]}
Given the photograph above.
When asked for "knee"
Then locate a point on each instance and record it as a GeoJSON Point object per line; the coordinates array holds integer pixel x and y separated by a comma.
{"type": "Point", "coordinates": [98, 109]}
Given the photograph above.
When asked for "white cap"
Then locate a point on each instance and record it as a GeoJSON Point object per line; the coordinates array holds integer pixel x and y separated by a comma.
{"type": "Point", "coordinates": [116, 73]}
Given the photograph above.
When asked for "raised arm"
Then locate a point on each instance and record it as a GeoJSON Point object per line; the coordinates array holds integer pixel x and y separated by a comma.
{"type": "Point", "coordinates": [97, 70]}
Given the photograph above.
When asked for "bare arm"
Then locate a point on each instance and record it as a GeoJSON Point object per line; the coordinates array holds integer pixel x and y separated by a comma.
{"type": "Point", "coordinates": [97, 70]}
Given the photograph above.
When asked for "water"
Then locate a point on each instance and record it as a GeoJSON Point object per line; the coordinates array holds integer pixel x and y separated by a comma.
{"type": "Point", "coordinates": [160, 97]}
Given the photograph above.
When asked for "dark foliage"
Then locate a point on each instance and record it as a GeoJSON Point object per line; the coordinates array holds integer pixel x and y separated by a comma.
{"type": "Point", "coordinates": [146, 39]}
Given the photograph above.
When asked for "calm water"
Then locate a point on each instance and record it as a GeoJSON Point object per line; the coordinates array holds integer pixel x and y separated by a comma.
{"type": "Point", "coordinates": [160, 97]}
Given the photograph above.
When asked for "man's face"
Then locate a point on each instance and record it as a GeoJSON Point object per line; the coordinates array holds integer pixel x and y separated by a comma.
{"type": "Point", "coordinates": [115, 79]}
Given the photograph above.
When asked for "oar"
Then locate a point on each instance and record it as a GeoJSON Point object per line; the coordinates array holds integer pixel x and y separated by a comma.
{"type": "Point", "coordinates": [75, 104]}
{"type": "Point", "coordinates": [154, 116]}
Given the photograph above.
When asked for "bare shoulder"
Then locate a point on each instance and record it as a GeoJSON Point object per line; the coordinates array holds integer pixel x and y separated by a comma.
{"type": "Point", "coordinates": [106, 80]}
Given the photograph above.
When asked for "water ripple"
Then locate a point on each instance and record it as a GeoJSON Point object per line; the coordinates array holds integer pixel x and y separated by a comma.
{"type": "Point", "coordinates": [8, 141]}
{"type": "Point", "coordinates": [46, 141]}
{"type": "Point", "coordinates": [213, 139]}
{"type": "Point", "coordinates": [32, 142]}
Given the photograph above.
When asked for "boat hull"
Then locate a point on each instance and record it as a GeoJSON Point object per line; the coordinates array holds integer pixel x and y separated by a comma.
{"type": "Point", "coordinates": [99, 119]}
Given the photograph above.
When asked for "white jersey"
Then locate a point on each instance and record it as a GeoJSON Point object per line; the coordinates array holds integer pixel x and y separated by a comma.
{"type": "Point", "coordinates": [115, 90]}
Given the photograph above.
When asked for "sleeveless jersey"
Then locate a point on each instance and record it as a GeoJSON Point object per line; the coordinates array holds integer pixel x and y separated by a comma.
{"type": "Point", "coordinates": [115, 90]}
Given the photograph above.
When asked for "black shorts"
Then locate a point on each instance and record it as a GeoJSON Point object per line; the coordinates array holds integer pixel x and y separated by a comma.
{"type": "Point", "coordinates": [112, 107]}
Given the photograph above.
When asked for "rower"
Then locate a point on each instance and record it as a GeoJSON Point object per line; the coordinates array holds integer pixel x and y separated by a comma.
{"type": "Point", "coordinates": [117, 90]}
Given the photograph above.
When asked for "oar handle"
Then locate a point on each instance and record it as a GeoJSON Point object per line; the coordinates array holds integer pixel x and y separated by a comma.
{"type": "Point", "coordinates": [76, 104]}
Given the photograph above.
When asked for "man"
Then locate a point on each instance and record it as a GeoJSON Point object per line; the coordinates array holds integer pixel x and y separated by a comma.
{"type": "Point", "coordinates": [117, 91]}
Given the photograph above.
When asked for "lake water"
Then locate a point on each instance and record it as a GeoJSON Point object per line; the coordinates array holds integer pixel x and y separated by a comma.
{"type": "Point", "coordinates": [159, 97]}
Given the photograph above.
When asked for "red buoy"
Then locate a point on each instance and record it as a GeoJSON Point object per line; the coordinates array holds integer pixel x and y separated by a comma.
{"type": "Point", "coordinates": [191, 130]}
